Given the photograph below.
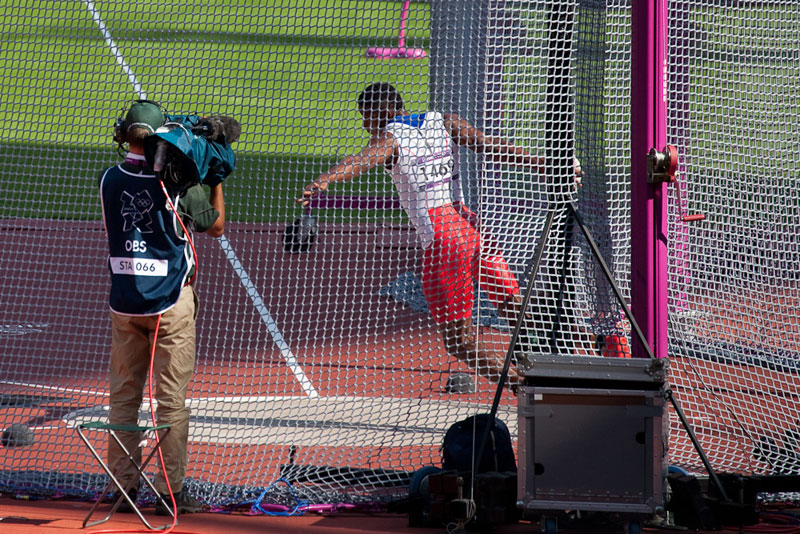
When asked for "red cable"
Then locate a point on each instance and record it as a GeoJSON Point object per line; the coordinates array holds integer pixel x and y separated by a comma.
{"type": "Point", "coordinates": [153, 419]}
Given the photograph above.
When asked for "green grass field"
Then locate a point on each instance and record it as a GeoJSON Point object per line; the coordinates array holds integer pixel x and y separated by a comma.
{"type": "Point", "coordinates": [289, 70]}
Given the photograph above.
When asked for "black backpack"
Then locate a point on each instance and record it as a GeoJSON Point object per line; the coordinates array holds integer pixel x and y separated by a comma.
{"type": "Point", "coordinates": [463, 436]}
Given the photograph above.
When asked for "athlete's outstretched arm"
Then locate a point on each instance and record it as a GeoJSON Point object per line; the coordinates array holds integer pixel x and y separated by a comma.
{"type": "Point", "coordinates": [495, 148]}
{"type": "Point", "coordinates": [378, 152]}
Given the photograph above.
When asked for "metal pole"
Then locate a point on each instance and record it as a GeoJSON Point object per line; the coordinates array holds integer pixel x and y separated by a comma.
{"type": "Point", "coordinates": [640, 336]}
{"type": "Point", "coordinates": [648, 201]}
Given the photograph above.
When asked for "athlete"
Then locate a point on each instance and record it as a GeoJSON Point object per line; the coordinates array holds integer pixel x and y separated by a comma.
{"type": "Point", "coordinates": [152, 265]}
{"type": "Point", "coordinates": [418, 151]}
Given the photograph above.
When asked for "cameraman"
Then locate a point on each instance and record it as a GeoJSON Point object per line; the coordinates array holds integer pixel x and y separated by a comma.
{"type": "Point", "coordinates": [153, 304]}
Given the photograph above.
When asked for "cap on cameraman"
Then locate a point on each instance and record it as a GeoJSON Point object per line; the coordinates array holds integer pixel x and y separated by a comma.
{"type": "Point", "coordinates": [144, 114]}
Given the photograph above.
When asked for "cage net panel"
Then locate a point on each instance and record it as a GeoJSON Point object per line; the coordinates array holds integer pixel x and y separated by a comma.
{"type": "Point", "coordinates": [733, 80]}
{"type": "Point", "coordinates": [321, 375]}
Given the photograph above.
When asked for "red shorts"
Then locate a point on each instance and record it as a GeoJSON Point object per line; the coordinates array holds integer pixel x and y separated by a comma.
{"type": "Point", "coordinates": [452, 264]}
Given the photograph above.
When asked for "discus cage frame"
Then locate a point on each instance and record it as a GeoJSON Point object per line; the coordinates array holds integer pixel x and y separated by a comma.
{"type": "Point", "coordinates": [674, 55]}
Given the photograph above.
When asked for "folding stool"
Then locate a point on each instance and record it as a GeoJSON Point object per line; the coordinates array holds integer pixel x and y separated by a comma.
{"type": "Point", "coordinates": [123, 490]}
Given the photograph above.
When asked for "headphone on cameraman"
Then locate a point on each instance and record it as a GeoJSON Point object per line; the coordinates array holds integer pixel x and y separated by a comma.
{"type": "Point", "coordinates": [121, 125]}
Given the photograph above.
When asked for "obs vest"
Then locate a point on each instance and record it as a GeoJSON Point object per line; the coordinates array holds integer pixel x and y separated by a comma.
{"type": "Point", "coordinates": [148, 256]}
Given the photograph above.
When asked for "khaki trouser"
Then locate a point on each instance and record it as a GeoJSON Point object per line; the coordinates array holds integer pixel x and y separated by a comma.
{"type": "Point", "coordinates": [131, 344]}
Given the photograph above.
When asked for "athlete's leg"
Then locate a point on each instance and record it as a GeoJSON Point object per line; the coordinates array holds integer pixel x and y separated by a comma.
{"type": "Point", "coordinates": [460, 342]}
{"type": "Point", "coordinates": [502, 289]}
{"type": "Point", "coordinates": [509, 311]}
{"type": "Point", "coordinates": [448, 284]}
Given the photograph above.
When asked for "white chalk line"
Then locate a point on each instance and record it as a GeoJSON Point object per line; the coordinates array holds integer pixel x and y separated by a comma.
{"type": "Point", "coordinates": [274, 331]}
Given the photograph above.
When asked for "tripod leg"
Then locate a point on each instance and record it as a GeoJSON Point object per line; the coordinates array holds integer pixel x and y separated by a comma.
{"type": "Point", "coordinates": [696, 443]}
{"type": "Point", "coordinates": [640, 336]}
{"type": "Point", "coordinates": [531, 276]}
{"type": "Point", "coordinates": [556, 314]}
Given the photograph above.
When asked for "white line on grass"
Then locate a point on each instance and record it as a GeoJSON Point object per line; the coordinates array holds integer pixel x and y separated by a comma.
{"type": "Point", "coordinates": [252, 292]}
{"type": "Point", "coordinates": [113, 46]}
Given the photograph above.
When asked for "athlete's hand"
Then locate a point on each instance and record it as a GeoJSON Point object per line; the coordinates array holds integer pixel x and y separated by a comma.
{"type": "Point", "coordinates": [489, 246]}
{"type": "Point", "coordinates": [312, 190]}
{"type": "Point", "coordinates": [576, 166]}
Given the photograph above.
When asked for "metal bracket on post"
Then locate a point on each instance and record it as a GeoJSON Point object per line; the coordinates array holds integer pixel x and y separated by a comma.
{"type": "Point", "coordinates": [662, 166]}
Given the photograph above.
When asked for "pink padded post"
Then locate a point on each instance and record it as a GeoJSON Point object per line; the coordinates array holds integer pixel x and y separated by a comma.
{"type": "Point", "coordinates": [648, 201]}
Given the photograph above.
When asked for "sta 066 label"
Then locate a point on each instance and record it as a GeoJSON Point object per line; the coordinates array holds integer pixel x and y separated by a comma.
{"type": "Point", "coordinates": [138, 266]}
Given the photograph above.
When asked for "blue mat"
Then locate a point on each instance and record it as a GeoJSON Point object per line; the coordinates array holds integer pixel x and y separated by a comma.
{"type": "Point", "coordinates": [407, 290]}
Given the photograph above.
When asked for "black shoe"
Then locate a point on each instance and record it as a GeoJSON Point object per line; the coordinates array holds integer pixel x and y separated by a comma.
{"type": "Point", "coordinates": [124, 507]}
{"type": "Point", "coordinates": [186, 504]}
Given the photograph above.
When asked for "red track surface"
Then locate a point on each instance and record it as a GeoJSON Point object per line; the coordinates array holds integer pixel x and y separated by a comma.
{"type": "Point", "coordinates": [51, 517]}
{"type": "Point", "coordinates": [370, 335]}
